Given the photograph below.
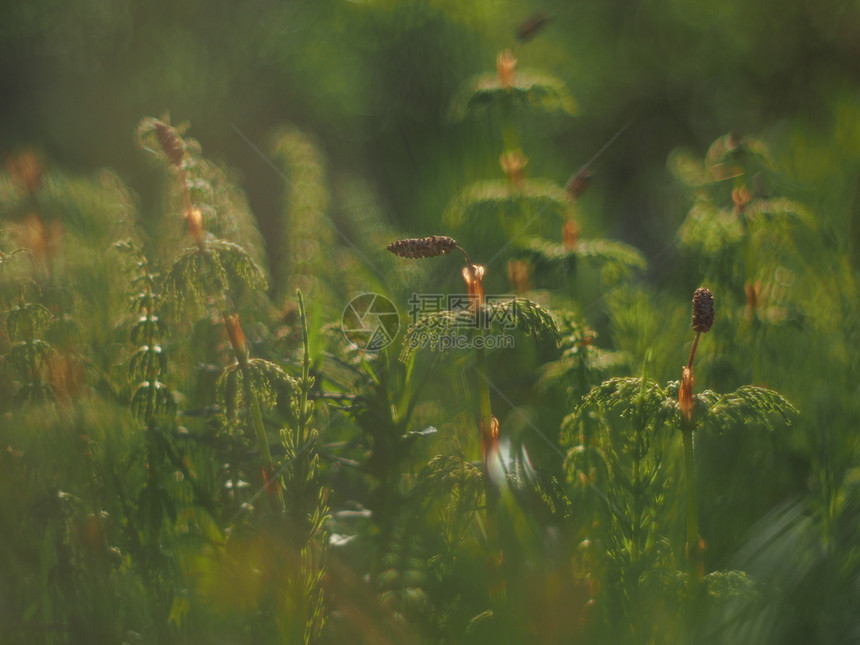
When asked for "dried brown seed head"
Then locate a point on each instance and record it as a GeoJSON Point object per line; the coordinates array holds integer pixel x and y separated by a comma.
{"type": "Point", "coordinates": [578, 184]}
{"type": "Point", "coordinates": [532, 26]}
{"type": "Point", "coordinates": [423, 247]}
{"type": "Point", "coordinates": [171, 143]}
{"type": "Point", "coordinates": [703, 310]}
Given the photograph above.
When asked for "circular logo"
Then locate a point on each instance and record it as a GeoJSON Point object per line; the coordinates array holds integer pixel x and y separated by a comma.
{"type": "Point", "coordinates": [370, 321]}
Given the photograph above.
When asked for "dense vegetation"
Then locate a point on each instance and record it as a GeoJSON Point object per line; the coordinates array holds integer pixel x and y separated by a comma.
{"type": "Point", "coordinates": [439, 323]}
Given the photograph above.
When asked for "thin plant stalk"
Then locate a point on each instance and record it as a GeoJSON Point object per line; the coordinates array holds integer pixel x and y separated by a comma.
{"type": "Point", "coordinates": [693, 569]}
{"type": "Point", "coordinates": [687, 427]}
{"type": "Point", "coordinates": [240, 348]}
{"type": "Point", "coordinates": [303, 417]}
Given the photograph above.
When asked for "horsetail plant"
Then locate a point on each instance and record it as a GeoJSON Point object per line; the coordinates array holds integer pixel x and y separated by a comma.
{"type": "Point", "coordinates": [627, 466]}
{"type": "Point", "coordinates": [703, 319]}
{"type": "Point", "coordinates": [243, 386]}
{"type": "Point", "coordinates": [153, 404]}
{"type": "Point", "coordinates": [30, 354]}
{"type": "Point", "coordinates": [481, 317]}
{"type": "Point", "coordinates": [622, 459]}
{"type": "Point", "coordinates": [306, 500]}
{"type": "Point", "coordinates": [473, 275]}
{"type": "Point", "coordinates": [219, 274]}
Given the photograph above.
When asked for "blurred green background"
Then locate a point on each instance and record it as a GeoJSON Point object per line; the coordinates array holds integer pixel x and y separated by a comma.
{"type": "Point", "coordinates": [373, 81]}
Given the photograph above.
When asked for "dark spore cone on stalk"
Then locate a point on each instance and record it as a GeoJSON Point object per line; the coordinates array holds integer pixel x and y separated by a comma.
{"type": "Point", "coordinates": [423, 247]}
{"type": "Point", "coordinates": [703, 310]}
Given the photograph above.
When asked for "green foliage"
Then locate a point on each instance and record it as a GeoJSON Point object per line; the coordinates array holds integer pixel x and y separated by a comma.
{"type": "Point", "coordinates": [496, 317]}
{"type": "Point", "coordinates": [491, 203]}
{"type": "Point", "coordinates": [198, 275]}
{"type": "Point", "coordinates": [267, 381]}
{"type": "Point", "coordinates": [581, 362]}
{"type": "Point", "coordinates": [29, 355]}
{"type": "Point", "coordinates": [748, 405]}
{"type": "Point", "coordinates": [307, 506]}
{"type": "Point", "coordinates": [616, 259]}
{"type": "Point", "coordinates": [529, 88]}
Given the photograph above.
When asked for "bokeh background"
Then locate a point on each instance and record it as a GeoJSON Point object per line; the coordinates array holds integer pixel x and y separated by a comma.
{"type": "Point", "coordinates": [373, 80]}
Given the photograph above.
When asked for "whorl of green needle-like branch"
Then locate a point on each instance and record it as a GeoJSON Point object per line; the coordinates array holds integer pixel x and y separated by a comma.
{"type": "Point", "coordinates": [581, 360]}
{"type": "Point", "coordinates": [709, 229]}
{"type": "Point", "coordinates": [267, 380]}
{"type": "Point", "coordinates": [151, 400]}
{"type": "Point", "coordinates": [447, 474]}
{"type": "Point", "coordinates": [625, 258]}
{"type": "Point", "coordinates": [530, 89]}
{"type": "Point", "coordinates": [224, 207]}
{"type": "Point", "coordinates": [625, 395]}
{"type": "Point", "coordinates": [732, 148]}
{"type": "Point", "coordinates": [486, 203]}
{"type": "Point", "coordinates": [747, 406]}
{"type": "Point", "coordinates": [26, 319]}
{"type": "Point", "coordinates": [196, 276]}
{"type": "Point", "coordinates": [28, 356]}
{"type": "Point", "coordinates": [516, 315]}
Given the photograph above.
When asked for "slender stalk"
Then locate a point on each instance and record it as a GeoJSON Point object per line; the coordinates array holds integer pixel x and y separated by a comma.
{"type": "Point", "coordinates": [693, 350]}
{"type": "Point", "coordinates": [637, 516]}
{"type": "Point", "coordinates": [253, 406]}
{"type": "Point", "coordinates": [688, 425]}
{"type": "Point", "coordinates": [693, 558]}
{"type": "Point", "coordinates": [483, 386]}
{"type": "Point", "coordinates": [303, 416]}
